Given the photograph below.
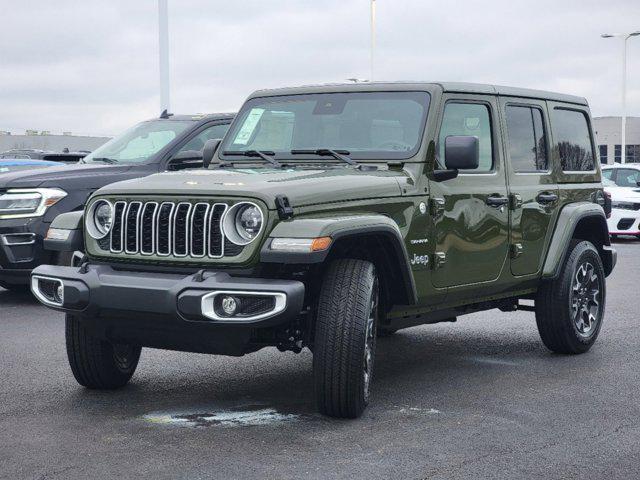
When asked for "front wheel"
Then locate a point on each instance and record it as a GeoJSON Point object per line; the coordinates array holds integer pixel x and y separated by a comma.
{"type": "Point", "coordinates": [97, 363]}
{"type": "Point", "coordinates": [570, 308]}
{"type": "Point", "coordinates": [345, 338]}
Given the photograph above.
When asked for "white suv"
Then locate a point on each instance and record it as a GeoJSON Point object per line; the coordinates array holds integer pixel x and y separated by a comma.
{"type": "Point", "coordinates": [622, 182]}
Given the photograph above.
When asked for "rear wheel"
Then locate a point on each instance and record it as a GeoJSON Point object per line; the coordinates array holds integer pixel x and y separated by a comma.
{"type": "Point", "coordinates": [345, 338]}
{"type": "Point", "coordinates": [98, 363]}
{"type": "Point", "coordinates": [570, 308]}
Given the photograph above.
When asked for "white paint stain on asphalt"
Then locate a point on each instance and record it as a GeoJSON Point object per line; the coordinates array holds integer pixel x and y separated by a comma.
{"type": "Point", "coordinates": [420, 411]}
{"type": "Point", "coordinates": [222, 418]}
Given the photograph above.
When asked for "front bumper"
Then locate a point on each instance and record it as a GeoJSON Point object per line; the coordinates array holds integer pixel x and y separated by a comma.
{"type": "Point", "coordinates": [624, 222]}
{"type": "Point", "coordinates": [166, 310]}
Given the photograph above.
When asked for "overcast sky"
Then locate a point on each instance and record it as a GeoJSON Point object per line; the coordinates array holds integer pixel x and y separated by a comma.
{"type": "Point", "coordinates": [92, 66]}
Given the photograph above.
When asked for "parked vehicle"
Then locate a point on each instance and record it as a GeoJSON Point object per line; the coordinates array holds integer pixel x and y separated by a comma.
{"type": "Point", "coordinates": [625, 211]}
{"type": "Point", "coordinates": [30, 153]}
{"type": "Point", "coordinates": [334, 214]}
{"type": "Point", "coordinates": [30, 200]}
{"type": "Point", "coordinates": [15, 164]}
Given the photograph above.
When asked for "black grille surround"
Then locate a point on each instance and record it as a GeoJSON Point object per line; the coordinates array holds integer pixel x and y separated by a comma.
{"type": "Point", "coordinates": [158, 231]}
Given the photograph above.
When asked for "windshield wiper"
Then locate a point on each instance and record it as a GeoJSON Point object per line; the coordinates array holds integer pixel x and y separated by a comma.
{"type": "Point", "coordinates": [263, 154]}
{"type": "Point", "coordinates": [110, 161]}
{"type": "Point", "coordinates": [327, 152]}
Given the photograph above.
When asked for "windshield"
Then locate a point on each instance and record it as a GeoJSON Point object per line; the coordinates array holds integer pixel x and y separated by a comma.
{"type": "Point", "coordinates": [139, 143]}
{"type": "Point", "coordinates": [368, 125]}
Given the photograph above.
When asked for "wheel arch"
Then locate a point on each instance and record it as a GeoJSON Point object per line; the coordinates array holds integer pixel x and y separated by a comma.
{"type": "Point", "coordinates": [375, 238]}
{"type": "Point", "coordinates": [584, 221]}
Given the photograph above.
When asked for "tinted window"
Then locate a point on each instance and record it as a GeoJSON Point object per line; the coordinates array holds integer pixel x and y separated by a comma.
{"type": "Point", "coordinates": [572, 140]}
{"type": "Point", "coordinates": [211, 133]}
{"type": "Point", "coordinates": [627, 177]}
{"type": "Point", "coordinates": [527, 146]}
{"type": "Point", "coordinates": [140, 142]}
{"type": "Point", "coordinates": [469, 119]}
{"type": "Point", "coordinates": [375, 125]}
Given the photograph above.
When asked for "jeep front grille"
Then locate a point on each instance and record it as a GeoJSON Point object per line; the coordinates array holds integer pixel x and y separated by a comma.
{"type": "Point", "coordinates": [176, 229]}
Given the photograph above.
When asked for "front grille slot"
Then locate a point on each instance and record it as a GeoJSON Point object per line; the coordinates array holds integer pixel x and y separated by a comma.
{"type": "Point", "coordinates": [216, 241]}
{"type": "Point", "coordinates": [117, 229]}
{"type": "Point", "coordinates": [148, 228]}
{"type": "Point", "coordinates": [165, 224]}
{"type": "Point", "coordinates": [181, 229]}
{"type": "Point", "coordinates": [131, 227]}
{"type": "Point", "coordinates": [199, 229]}
{"type": "Point", "coordinates": [169, 229]}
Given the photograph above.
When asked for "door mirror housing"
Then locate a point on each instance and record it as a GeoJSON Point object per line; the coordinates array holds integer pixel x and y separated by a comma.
{"type": "Point", "coordinates": [461, 152]}
{"type": "Point", "coordinates": [209, 151]}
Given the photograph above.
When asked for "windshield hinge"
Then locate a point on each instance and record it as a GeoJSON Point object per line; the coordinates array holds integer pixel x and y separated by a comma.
{"type": "Point", "coordinates": [284, 207]}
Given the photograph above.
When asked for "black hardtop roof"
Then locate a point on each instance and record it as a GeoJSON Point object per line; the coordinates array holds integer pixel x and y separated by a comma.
{"type": "Point", "coordinates": [454, 87]}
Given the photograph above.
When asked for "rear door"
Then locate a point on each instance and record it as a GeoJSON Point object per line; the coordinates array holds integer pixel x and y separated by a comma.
{"type": "Point", "coordinates": [533, 193]}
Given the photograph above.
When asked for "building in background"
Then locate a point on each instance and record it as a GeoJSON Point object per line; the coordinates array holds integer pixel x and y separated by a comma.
{"type": "Point", "coordinates": [608, 134]}
{"type": "Point", "coordinates": [56, 143]}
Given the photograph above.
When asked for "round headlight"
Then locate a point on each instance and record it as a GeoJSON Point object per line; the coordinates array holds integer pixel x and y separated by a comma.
{"type": "Point", "coordinates": [100, 219]}
{"type": "Point", "coordinates": [248, 221]}
{"type": "Point", "coordinates": [243, 223]}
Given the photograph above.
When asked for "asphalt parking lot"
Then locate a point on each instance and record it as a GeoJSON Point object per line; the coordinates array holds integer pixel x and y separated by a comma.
{"type": "Point", "coordinates": [481, 398]}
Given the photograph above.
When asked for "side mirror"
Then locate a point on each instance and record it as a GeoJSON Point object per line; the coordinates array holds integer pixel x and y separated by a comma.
{"type": "Point", "coordinates": [185, 159]}
{"type": "Point", "coordinates": [209, 151]}
{"type": "Point", "coordinates": [461, 152]}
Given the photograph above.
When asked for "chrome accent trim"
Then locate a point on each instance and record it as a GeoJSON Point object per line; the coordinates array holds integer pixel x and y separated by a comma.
{"type": "Point", "coordinates": [35, 289]}
{"type": "Point", "coordinates": [153, 228]}
{"type": "Point", "coordinates": [137, 228]}
{"type": "Point", "coordinates": [187, 222]}
{"type": "Point", "coordinates": [208, 310]}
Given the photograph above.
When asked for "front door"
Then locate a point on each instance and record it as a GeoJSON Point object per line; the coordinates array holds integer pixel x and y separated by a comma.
{"type": "Point", "coordinates": [471, 212]}
{"type": "Point", "coordinates": [533, 190]}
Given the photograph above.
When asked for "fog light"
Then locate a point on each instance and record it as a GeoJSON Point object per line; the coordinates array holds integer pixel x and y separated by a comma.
{"type": "Point", "coordinates": [229, 305]}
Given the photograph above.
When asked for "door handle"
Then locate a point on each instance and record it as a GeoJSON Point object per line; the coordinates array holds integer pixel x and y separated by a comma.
{"type": "Point", "coordinates": [547, 197]}
{"type": "Point", "coordinates": [496, 200]}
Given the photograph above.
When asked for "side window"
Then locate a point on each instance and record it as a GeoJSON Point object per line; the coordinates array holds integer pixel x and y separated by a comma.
{"type": "Point", "coordinates": [608, 173]}
{"type": "Point", "coordinates": [197, 142]}
{"type": "Point", "coordinates": [573, 141]}
{"type": "Point", "coordinates": [527, 145]}
{"type": "Point", "coordinates": [470, 119]}
{"type": "Point", "coordinates": [628, 177]}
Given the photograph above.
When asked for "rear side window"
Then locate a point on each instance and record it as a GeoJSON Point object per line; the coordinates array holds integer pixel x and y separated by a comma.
{"type": "Point", "coordinates": [573, 141]}
{"type": "Point", "coordinates": [527, 145]}
{"type": "Point", "coordinates": [469, 119]}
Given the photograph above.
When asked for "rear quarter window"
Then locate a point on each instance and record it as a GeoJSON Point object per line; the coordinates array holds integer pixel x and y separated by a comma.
{"type": "Point", "coordinates": [572, 140]}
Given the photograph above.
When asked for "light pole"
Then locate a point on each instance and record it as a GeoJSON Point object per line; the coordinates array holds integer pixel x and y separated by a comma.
{"type": "Point", "coordinates": [163, 54]}
{"type": "Point", "coordinates": [625, 37]}
{"type": "Point", "coordinates": [373, 37]}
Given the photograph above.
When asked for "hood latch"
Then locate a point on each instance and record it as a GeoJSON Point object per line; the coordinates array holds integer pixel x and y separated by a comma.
{"type": "Point", "coordinates": [285, 211]}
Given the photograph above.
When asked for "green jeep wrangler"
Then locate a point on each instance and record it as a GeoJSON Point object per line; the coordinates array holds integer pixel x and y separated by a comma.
{"type": "Point", "coordinates": [332, 215]}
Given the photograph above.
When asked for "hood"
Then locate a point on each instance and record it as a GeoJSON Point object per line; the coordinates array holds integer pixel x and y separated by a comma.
{"type": "Point", "coordinates": [303, 186]}
{"type": "Point", "coordinates": [624, 194]}
{"type": "Point", "coordinates": [80, 174]}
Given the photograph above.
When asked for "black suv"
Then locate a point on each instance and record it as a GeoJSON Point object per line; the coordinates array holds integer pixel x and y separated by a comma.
{"type": "Point", "coordinates": [30, 200]}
